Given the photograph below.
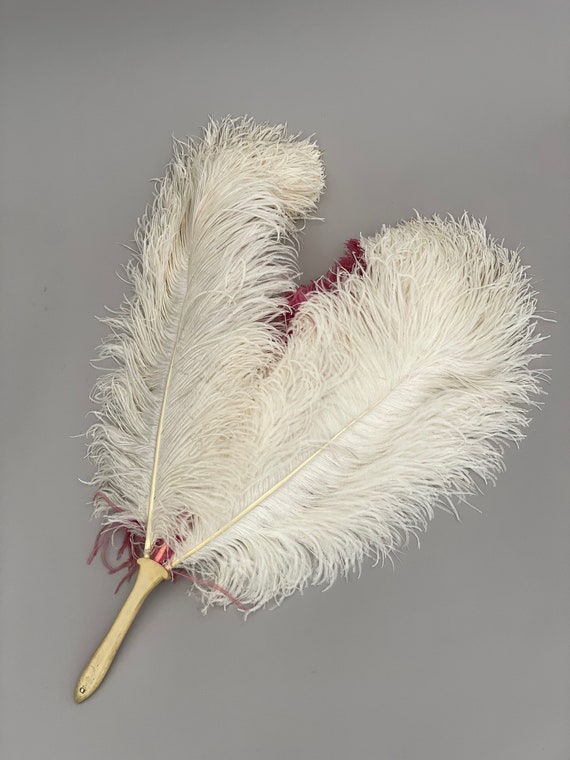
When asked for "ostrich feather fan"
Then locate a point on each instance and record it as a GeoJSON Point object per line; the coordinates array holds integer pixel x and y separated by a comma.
{"type": "Point", "coordinates": [259, 436]}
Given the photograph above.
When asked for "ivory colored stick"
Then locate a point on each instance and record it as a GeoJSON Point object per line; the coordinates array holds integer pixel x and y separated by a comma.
{"type": "Point", "coordinates": [149, 575]}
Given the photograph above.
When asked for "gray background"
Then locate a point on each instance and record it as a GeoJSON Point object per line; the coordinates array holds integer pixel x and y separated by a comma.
{"type": "Point", "coordinates": [460, 654]}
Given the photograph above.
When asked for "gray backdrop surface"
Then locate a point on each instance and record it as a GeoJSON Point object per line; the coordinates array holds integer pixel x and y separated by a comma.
{"type": "Point", "coordinates": [462, 652]}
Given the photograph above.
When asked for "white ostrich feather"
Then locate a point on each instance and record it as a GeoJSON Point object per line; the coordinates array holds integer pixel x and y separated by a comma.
{"type": "Point", "coordinates": [268, 462]}
{"type": "Point", "coordinates": [216, 258]}
{"type": "Point", "coordinates": [394, 393]}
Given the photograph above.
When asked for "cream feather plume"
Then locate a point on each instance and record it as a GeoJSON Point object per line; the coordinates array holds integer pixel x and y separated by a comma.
{"type": "Point", "coordinates": [216, 260]}
{"type": "Point", "coordinates": [262, 451]}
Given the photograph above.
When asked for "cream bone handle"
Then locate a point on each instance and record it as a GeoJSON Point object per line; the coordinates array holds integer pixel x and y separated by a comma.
{"type": "Point", "coordinates": [149, 575]}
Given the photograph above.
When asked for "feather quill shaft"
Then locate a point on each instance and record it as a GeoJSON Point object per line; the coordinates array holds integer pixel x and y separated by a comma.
{"type": "Point", "coordinates": [152, 489]}
{"type": "Point", "coordinates": [180, 560]}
